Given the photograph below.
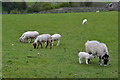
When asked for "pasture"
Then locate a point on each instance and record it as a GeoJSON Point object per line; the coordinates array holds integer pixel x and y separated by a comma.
{"type": "Point", "coordinates": [22, 61]}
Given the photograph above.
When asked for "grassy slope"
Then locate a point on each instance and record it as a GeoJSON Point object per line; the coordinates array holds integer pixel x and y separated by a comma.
{"type": "Point", "coordinates": [62, 61]}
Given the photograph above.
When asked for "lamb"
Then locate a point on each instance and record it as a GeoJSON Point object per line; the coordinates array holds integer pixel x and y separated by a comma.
{"type": "Point", "coordinates": [98, 49]}
{"type": "Point", "coordinates": [28, 35]}
{"type": "Point", "coordinates": [84, 21]}
{"type": "Point", "coordinates": [85, 55]}
{"type": "Point", "coordinates": [56, 37]}
{"type": "Point", "coordinates": [43, 38]}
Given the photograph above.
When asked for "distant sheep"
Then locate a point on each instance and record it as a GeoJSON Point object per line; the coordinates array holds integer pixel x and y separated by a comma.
{"type": "Point", "coordinates": [43, 38]}
{"type": "Point", "coordinates": [97, 11]}
{"type": "Point", "coordinates": [28, 35]}
{"type": "Point", "coordinates": [56, 37]}
{"type": "Point", "coordinates": [85, 55]}
{"type": "Point", "coordinates": [98, 49]}
{"type": "Point", "coordinates": [84, 21]}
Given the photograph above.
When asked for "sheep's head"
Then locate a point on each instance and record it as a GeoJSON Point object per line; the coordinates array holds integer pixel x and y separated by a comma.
{"type": "Point", "coordinates": [105, 59]}
{"type": "Point", "coordinates": [20, 39]}
{"type": "Point", "coordinates": [35, 45]}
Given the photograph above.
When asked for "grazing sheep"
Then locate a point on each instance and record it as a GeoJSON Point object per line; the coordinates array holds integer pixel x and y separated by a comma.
{"type": "Point", "coordinates": [97, 11]}
{"type": "Point", "coordinates": [98, 49]}
{"type": "Point", "coordinates": [56, 37]}
{"type": "Point", "coordinates": [85, 55]}
{"type": "Point", "coordinates": [84, 21]}
{"type": "Point", "coordinates": [43, 38]}
{"type": "Point", "coordinates": [28, 35]}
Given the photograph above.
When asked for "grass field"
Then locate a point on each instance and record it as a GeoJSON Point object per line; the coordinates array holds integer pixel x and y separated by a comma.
{"type": "Point", "coordinates": [62, 61]}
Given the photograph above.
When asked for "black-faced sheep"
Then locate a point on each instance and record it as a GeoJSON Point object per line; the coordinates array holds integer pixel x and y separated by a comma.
{"type": "Point", "coordinates": [98, 49]}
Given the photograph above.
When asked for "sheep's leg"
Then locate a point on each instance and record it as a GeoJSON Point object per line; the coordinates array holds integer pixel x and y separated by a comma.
{"type": "Point", "coordinates": [26, 40]}
{"type": "Point", "coordinates": [52, 42]}
{"type": "Point", "coordinates": [29, 40]}
{"type": "Point", "coordinates": [41, 45]}
{"type": "Point", "coordinates": [100, 61]}
{"type": "Point", "coordinates": [46, 44]}
{"type": "Point", "coordinates": [37, 46]}
{"type": "Point", "coordinates": [86, 61]}
{"type": "Point", "coordinates": [80, 60]}
{"type": "Point", "coordinates": [58, 42]}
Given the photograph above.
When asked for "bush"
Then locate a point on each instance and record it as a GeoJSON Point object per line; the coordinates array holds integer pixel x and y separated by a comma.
{"type": "Point", "coordinates": [39, 7]}
{"type": "Point", "coordinates": [47, 6]}
{"type": "Point", "coordinates": [15, 12]}
{"type": "Point", "coordinates": [33, 8]}
{"type": "Point", "coordinates": [55, 6]}
{"type": "Point", "coordinates": [65, 4]}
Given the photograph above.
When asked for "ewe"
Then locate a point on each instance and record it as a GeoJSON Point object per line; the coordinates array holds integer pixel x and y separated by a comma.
{"type": "Point", "coordinates": [56, 37]}
{"type": "Point", "coordinates": [98, 49]}
{"type": "Point", "coordinates": [28, 35]}
{"type": "Point", "coordinates": [85, 55]}
{"type": "Point", "coordinates": [43, 38]}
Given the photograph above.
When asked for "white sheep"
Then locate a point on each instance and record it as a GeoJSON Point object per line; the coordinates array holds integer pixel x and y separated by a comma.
{"type": "Point", "coordinates": [85, 55]}
{"type": "Point", "coordinates": [98, 49]}
{"type": "Point", "coordinates": [28, 35]}
{"type": "Point", "coordinates": [56, 37]}
{"type": "Point", "coordinates": [97, 11]}
{"type": "Point", "coordinates": [43, 38]}
{"type": "Point", "coordinates": [84, 21]}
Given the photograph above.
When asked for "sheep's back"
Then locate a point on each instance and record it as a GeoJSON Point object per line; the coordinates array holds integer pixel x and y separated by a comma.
{"type": "Point", "coordinates": [95, 47]}
{"type": "Point", "coordinates": [56, 36]}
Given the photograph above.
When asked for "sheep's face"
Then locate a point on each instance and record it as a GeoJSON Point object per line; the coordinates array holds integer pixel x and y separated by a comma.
{"type": "Point", "coordinates": [35, 45]}
{"type": "Point", "coordinates": [20, 40]}
{"type": "Point", "coordinates": [105, 59]}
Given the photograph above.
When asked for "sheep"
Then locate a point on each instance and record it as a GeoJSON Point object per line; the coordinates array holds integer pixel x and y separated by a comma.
{"type": "Point", "coordinates": [98, 49]}
{"type": "Point", "coordinates": [56, 37]}
{"type": "Point", "coordinates": [84, 21]}
{"type": "Point", "coordinates": [28, 35]}
{"type": "Point", "coordinates": [97, 11]}
{"type": "Point", "coordinates": [85, 55]}
{"type": "Point", "coordinates": [43, 38]}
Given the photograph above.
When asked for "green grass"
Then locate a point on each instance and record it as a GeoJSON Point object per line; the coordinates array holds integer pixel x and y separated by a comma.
{"type": "Point", "coordinates": [62, 61]}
